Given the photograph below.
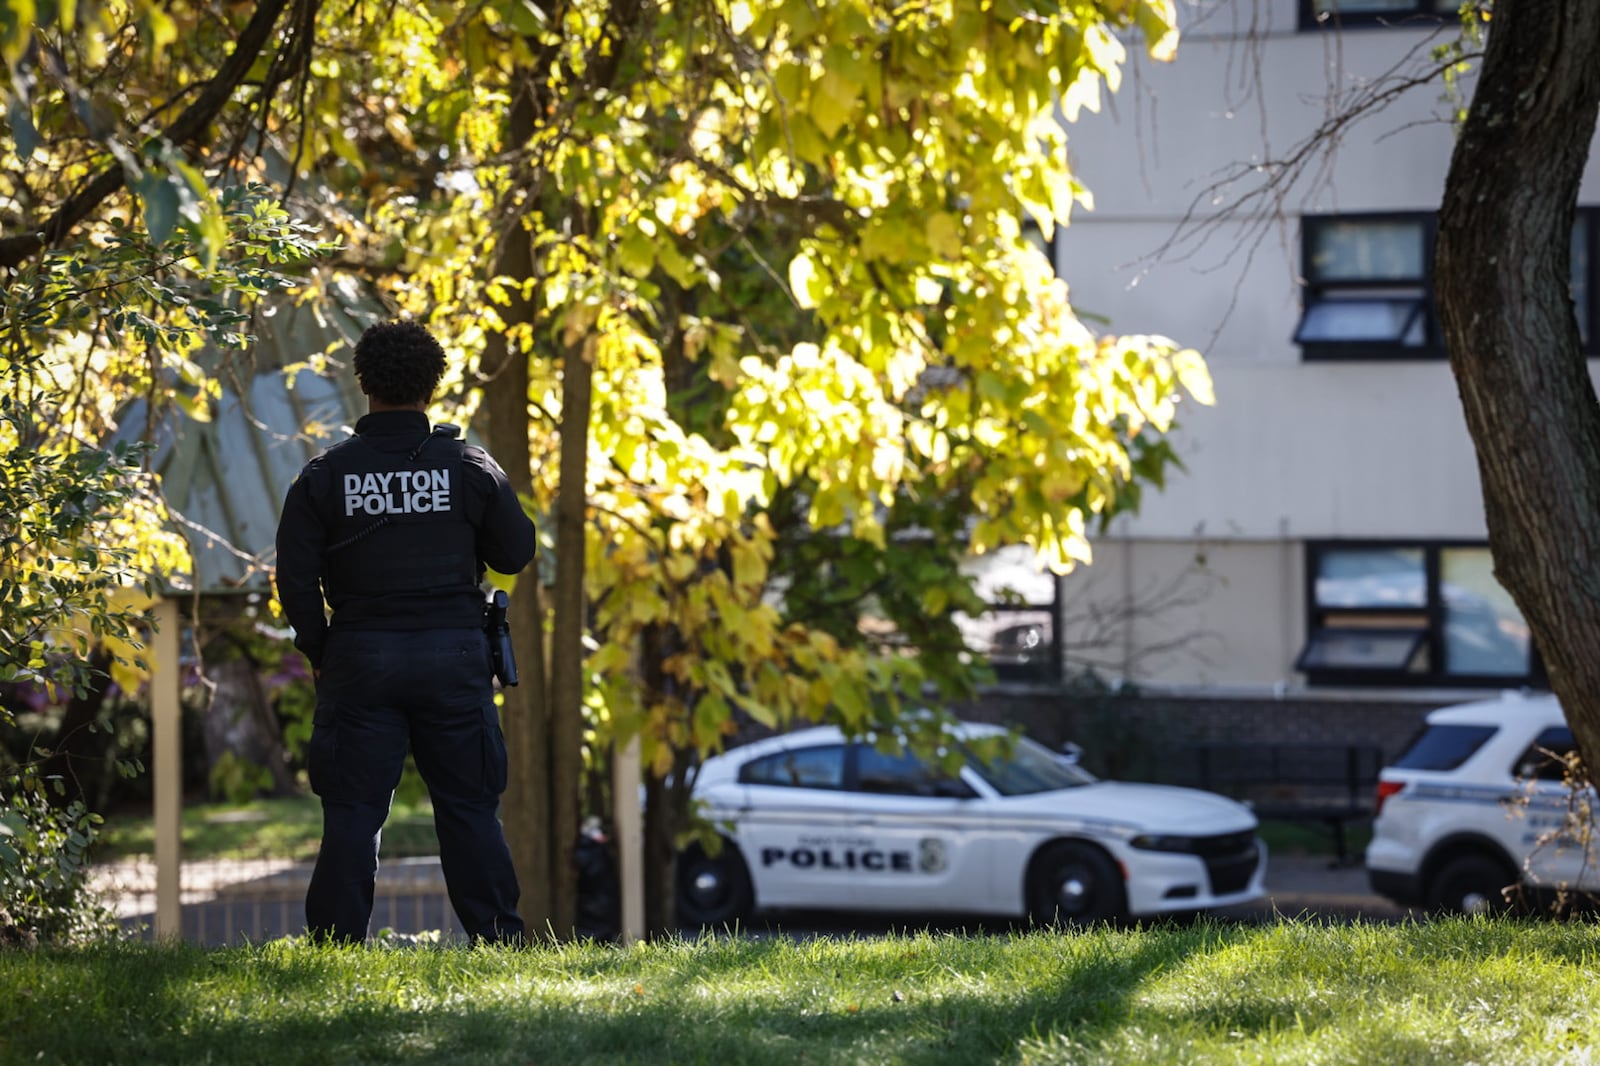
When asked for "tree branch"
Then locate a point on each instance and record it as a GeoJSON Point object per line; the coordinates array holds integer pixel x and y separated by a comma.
{"type": "Point", "coordinates": [185, 129]}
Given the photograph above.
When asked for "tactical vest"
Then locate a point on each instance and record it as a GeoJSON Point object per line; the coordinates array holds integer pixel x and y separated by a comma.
{"type": "Point", "coordinates": [398, 520]}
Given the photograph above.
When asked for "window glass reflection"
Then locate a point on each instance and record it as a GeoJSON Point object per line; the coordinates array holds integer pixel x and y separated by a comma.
{"type": "Point", "coordinates": [1371, 577]}
{"type": "Point", "coordinates": [1397, 321]}
{"type": "Point", "coordinates": [1368, 250]}
{"type": "Point", "coordinates": [819, 767]}
{"type": "Point", "coordinates": [1483, 631]}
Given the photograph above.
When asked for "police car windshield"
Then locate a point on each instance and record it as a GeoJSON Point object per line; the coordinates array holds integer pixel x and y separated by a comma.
{"type": "Point", "coordinates": [1027, 767]}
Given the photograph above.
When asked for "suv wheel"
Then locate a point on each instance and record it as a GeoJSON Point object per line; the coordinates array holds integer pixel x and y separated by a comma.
{"type": "Point", "coordinates": [1470, 884]}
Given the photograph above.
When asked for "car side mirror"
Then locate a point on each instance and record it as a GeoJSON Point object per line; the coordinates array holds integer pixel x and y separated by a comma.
{"type": "Point", "coordinates": [1070, 753]}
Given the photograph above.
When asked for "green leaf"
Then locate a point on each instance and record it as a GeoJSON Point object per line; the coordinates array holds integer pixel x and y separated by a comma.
{"type": "Point", "coordinates": [525, 17]}
{"type": "Point", "coordinates": [833, 102]}
{"type": "Point", "coordinates": [22, 128]}
{"type": "Point", "coordinates": [161, 206]}
{"type": "Point", "coordinates": [636, 253]}
{"type": "Point", "coordinates": [944, 235]}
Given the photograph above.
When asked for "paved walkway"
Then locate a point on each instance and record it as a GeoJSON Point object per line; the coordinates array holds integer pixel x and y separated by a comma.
{"type": "Point", "coordinates": [233, 901]}
{"type": "Point", "coordinates": [226, 902]}
{"type": "Point", "coordinates": [1312, 885]}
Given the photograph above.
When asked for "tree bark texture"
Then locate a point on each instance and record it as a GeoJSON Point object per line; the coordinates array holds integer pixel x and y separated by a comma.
{"type": "Point", "coordinates": [525, 810]}
{"type": "Point", "coordinates": [570, 622]}
{"type": "Point", "coordinates": [1503, 274]}
{"type": "Point", "coordinates": [239, 719]}
{"type": "Point", "coordinates": [660, 814]}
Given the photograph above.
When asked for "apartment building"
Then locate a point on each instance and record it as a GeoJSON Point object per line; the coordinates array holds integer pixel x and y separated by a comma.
{"type": "Point", "coordinates": [1327, 537]}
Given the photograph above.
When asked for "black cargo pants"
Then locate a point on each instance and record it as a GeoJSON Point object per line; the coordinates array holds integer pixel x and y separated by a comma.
{"type": "Point", "coordinates": [380, 694]}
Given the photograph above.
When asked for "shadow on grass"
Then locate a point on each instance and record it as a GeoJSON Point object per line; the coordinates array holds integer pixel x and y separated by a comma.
{"type": "Point", "coordinates": [923, 1000]}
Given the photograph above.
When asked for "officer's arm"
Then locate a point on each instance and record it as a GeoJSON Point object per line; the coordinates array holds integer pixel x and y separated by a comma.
{"type": "Point", "coordinates": [301, 538]}
{"type": "Point", "coordinates": [506, 537]}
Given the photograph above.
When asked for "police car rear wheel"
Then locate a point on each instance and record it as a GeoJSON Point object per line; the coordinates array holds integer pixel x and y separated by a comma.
{"type": "Point", "coordinates": [1074, 884]}
{"type": "Point", "coordinates": [1470, 884]}
{"type": "Point", "coordinates": [712, 889]}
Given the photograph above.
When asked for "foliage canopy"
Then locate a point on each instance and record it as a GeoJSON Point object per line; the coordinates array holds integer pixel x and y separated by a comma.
{"type": "Point", "coordinates": [796, 245]}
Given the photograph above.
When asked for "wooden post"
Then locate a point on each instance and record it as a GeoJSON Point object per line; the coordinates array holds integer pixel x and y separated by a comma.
{"type": "Point", "coordinates": [166, 764]}
{"type": "Point", "coordinates": [630, 840]}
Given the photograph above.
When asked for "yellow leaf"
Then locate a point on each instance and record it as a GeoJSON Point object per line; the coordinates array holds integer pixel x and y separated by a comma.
{"type": "Point", "coordinates": [803, 280]}
{"type": "Point", "coordinates": [759, 711]}
{"type": "Point", "coordinates": [1195, 378]}
{"type": "Point", "coordinates": [679, 567]}
{"type": "Point", "coordinates": [749, 569]}
{"type": "Point", "coordinates": [16, 30]}
{"type": "Point", "coordinates": [1158, 21]}
{"type": "Point", "coordinates": [163, 31]}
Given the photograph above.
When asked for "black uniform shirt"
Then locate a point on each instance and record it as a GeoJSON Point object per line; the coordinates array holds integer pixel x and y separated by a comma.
{"type": "Point", "coordinates": [439, 592]}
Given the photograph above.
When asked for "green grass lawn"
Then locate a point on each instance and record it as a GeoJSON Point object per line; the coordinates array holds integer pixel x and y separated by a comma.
{"type": "Point", "coordinates": [276, 828]}
{"type": "Point", "coordinates": [1302, 838]}
{"type": "Point", "coordinates": [1457, 991]}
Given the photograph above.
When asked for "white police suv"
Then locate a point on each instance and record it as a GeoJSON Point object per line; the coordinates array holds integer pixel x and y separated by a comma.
{"type": "Point", "coordinates": [1477, 805]}
{"type": "Point", "coordinates": [812, 820]}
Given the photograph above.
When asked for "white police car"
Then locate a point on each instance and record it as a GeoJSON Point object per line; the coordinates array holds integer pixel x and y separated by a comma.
{"type": "Point", "coordinates": [812, 820]}
{"type": "Point", "coordinates": [1478, 803]}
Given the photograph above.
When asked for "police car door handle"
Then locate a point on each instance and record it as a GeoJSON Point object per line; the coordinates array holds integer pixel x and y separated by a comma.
{"type": "Point", "coordinates": [863, 819]}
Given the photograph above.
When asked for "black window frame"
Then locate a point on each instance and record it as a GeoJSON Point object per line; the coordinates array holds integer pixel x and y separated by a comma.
{"type": "Point", "coordinates": [1419, 14]}
{"type": "Point", "coordinates": [1318, 293]}
{"type": "Point", "coordinates": [1433, 617]}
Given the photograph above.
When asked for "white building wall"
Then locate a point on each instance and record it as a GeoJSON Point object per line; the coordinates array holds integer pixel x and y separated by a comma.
{"type": "Point", "coordinates": [1292, 450]}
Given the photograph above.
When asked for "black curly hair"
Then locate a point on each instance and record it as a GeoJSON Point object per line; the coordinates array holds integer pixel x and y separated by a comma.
{"type": "Point", "coordinates": [398, 363]}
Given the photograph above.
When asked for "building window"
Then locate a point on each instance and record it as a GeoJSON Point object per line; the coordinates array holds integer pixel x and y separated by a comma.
{"type": "Point", "coordinates": [1423, 614]}
{"type": "Point", "coordinates": [1368, 286]}
{"type": "Point", "coordinates": [1333, 14]}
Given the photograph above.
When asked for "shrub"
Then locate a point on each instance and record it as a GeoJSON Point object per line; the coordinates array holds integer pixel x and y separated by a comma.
{"type": "Point", "coordinates": [44, 892]}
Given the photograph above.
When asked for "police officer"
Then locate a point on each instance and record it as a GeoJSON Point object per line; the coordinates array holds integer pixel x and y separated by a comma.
{"type": "Point", "coordinates": [393, 528]}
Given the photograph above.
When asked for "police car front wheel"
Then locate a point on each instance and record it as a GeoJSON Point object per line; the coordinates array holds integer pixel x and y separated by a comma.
{"type": "Point", "coordinates": [1074, 884]}
{"type": "Point", "coordinates": [712, 889]}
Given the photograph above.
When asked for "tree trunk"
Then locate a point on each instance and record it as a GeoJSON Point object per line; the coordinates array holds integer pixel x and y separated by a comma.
{"type": "Point", "coordinates": [660, 822]}
{"type": "Point", "coordinates": [240, 719]}
{"type": "Point", "coordinates": [1503, 274]}
{"type": "Point", "coordinates": [566, 642]}
{"type": "Point", "coordinates": [525, 809]}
